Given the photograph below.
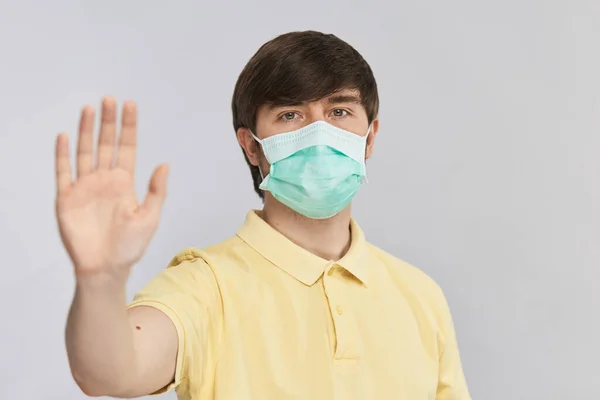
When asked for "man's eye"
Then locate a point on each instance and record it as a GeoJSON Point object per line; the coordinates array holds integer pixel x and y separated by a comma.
{"type": "Point", "coordinates": [289, 116]}
{"type": "Point", "coordinates": [339, 113]}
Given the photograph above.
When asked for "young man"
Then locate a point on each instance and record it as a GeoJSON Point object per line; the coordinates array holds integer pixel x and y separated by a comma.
{"type": "Point", "coordinates": [296, 305]}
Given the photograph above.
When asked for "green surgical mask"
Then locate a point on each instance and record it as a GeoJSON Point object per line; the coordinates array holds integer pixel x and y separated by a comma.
{"type": "Point", "coordinates": [315, 170]}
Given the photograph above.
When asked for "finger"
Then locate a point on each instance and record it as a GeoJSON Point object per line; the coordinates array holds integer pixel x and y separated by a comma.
{"type": "Point", "coordinates": [108, 133]}
{"type": "Point", "coordinates": [128, 140]}
{"type": "Point", "coordinates": [157, 189]}
{"type": "Point", "coordinates": [64, 175]}
{"type": "Point", "coordinates": [85, 143]}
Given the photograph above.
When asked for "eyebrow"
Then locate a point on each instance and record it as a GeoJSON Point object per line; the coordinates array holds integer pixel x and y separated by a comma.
{"type": "Point", "coordinates": [283, 104]}
{"type": "Point", "coordinates": [347, 98]}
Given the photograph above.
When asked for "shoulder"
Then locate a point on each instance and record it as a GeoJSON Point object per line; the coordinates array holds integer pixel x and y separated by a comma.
{"type": "Point", "coordinates": [193, 265]}
{"type": "Point", "coordinates": [407, 271]}
{"type": "Point", "coordinates": [412, 281]}
{"type": "Point", "coordinates": [189, 275]}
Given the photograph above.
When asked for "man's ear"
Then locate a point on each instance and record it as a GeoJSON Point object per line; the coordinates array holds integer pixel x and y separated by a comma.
{"type": "Point", "coordinates": [249, 144]}
{"type": "Point", "coordinates": [371, 138]}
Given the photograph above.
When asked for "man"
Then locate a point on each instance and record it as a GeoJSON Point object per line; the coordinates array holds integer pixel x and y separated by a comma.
{"type": "Point", "coordinates": [296, 305]}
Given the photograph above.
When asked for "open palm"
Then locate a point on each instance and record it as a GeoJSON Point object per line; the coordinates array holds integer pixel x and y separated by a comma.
{"type": "Point", "coordinates": [103, 226]}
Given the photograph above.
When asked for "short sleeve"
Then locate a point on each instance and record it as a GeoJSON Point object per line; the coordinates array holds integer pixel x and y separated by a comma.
{"type": "Point", "coordinates": [452, 384]}
{"type": "Point", "coordinates": [187, 292]}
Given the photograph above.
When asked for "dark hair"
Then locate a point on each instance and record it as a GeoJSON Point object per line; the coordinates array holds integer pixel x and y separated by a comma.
{"type": "Point", "coordinates": [299, 67]}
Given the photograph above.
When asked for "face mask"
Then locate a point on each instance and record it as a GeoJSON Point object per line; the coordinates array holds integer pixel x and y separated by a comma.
{"type": "Point", "coordinates": [315, 170]}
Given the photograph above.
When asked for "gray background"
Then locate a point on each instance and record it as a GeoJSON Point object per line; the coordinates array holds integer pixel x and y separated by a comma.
{"type": "Point", "coordinates": [485, 173]}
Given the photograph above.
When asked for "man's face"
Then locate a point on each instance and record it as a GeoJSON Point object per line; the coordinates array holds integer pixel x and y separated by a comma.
{"type": "Point", "coordinates": [342, 109]}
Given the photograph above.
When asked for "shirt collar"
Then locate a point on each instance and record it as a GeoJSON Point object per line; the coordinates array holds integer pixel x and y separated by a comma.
{"type": "Point", "coordinates": [303, 265]}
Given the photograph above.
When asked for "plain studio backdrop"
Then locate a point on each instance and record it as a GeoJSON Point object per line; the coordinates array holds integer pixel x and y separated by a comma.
{"type": "Point", "coordinates": [486, 171]}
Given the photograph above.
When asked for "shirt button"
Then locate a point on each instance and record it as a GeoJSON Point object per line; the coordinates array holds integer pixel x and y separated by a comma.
{"type": "Point", "coordinates": [339, 310]}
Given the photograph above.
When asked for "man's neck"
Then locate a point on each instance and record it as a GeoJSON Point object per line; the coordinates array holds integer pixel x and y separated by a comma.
{"type": "Point", "coordinates": [326, 238]}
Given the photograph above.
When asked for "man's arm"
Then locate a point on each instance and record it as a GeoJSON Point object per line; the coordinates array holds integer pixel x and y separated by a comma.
{"type": "Point", "coordinates": [106, 230]}
{"type": "Point", "coordinates": [114, 351]}
{"type": "Point", "coordinates": [452, 384]}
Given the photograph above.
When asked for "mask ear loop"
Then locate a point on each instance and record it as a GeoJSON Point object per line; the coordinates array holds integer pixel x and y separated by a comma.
{"type": "Point", "coordinates": [364, 178]}
{"type": "Point", "coordinates": [260, 143]}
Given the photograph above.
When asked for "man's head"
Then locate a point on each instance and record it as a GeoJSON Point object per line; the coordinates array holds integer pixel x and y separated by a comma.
{"type": "Point", "coordinates": [299, 78]}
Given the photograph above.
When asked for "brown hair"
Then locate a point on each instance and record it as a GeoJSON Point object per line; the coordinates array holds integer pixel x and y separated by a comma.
{"type": "Point", "coordinates": [299, 67]}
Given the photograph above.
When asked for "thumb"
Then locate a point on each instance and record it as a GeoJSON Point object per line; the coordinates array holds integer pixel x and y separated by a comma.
{"type": "Point", "coordinates": [157, 189]}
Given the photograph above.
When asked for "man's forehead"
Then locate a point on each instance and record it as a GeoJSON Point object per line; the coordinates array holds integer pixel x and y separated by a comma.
{"type": "Point", "coordinates": [340, 96]}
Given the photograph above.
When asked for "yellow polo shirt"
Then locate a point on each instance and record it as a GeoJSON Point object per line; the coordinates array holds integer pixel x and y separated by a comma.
{"type": "Point", "coordinates": [258, 317]}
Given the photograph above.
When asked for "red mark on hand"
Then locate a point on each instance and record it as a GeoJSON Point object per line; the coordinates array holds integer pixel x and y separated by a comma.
{"type": "Point", "coordinates": [138, 328]}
